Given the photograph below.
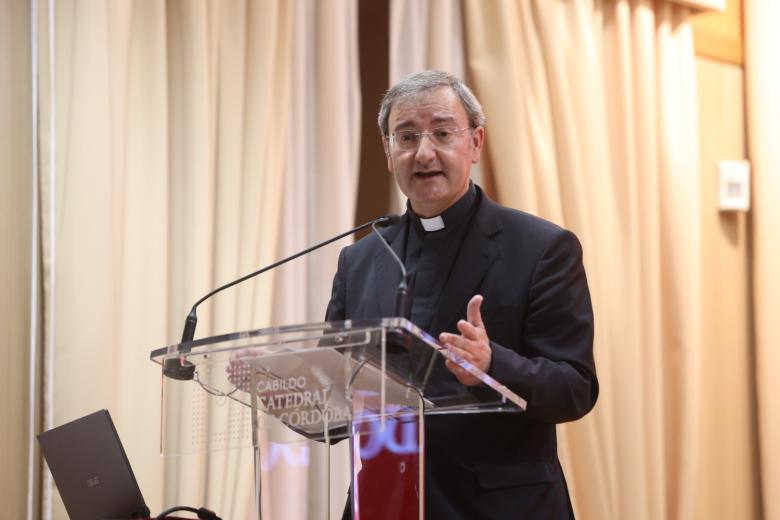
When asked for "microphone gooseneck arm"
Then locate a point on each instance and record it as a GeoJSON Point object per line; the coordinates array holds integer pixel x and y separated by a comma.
{"type": "Point", "coordinates": [403, 295]}
{"type": "Point", "coordinates": [183, 370]}
{"type": "Point", "coordinates": [192, 318]}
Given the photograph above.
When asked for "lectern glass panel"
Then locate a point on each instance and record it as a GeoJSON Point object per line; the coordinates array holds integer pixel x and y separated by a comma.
{"type": "Point", "coordinates": [289, 393]}
{"type": "Point", "coordinates": [306, 377]}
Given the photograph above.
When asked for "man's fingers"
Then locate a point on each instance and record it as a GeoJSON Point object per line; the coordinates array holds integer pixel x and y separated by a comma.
{"type": "Point", "coordinates": [462, 375]}
{"type": "Point", "coordinates": [458, 349]}
{"type": "Point", "coordinates": [456, 369]}
{"type": "Point", "coordinates": [471, 345]}
{"type": "Point", "coordinates": [473, 312]}
{"type": "Point", "coordinates": [454, 340]}
{"type": "Point", "coordinates": [470, 330]}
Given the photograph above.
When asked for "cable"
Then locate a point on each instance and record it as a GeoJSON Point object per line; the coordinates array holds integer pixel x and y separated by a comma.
{"type": "Point", "coordinates": [202, 512]}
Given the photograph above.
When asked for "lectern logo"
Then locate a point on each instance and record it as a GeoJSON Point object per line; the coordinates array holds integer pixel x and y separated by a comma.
{"type": "Point", "coordinates": [296, 404]}
{"type": "Point", "coordinates": [92, 482]}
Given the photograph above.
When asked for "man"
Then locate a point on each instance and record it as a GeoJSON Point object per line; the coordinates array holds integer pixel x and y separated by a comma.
{"type": "Point", "coordinates": [502, 289]}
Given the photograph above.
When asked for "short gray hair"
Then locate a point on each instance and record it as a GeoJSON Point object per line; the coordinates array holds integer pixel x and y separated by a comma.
{"type": "Point", "coordinates": [424, 81]}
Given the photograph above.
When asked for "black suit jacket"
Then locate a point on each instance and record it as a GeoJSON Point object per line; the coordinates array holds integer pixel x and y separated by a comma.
{"type": "Point", "coordinates": [538, 315]}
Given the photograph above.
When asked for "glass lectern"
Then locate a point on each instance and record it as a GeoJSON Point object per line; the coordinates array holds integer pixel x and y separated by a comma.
{"type": "Point", "coordinates": [289, 391]}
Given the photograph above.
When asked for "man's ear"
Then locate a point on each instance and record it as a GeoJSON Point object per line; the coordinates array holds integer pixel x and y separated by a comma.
{"type": "Point", "coordinates": [386, 144]}
{"type": "Point", "coordinates": [477, 141]}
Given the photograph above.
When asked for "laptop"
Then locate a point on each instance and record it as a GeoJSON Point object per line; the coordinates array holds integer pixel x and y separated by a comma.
{"type": "Point", "coordinates": [91, 470]}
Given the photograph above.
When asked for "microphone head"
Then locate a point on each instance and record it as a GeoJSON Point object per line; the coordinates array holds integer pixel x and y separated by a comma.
{"type": "Point", "coordinates": [391, 219]}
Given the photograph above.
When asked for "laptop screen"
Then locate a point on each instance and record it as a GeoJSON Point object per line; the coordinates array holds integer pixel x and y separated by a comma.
{"type": "Point", "coordinates": [91, 470]}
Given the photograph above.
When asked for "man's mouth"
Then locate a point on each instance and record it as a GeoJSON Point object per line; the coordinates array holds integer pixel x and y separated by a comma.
{"type": "Point", "coordinates": [428, 175]}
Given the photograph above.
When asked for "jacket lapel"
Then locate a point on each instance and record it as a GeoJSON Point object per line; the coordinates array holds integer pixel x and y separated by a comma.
{"type": "Point", "coordinates": [478, 252]}
{"type": "Point", "coordinates": [386, 269]}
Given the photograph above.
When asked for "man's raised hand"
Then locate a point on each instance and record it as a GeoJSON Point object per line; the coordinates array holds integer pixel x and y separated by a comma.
{"type": "Point", "coordinates": [472, 344]}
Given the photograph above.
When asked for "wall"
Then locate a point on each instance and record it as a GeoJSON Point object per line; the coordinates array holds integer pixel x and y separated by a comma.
{"type": "Point", "coordinates": [727, 468]}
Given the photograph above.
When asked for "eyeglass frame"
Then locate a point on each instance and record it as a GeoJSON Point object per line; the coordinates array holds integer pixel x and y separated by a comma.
{"type": "Point", "coordinates": [391, 137]}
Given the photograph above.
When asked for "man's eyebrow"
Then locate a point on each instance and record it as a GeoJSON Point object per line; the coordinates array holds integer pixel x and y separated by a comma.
{"type": "Point", "coordinates": [400, 125]}
{"type": "Point", "coordinates": [443, 119]}
{"type": "Point", "coordinates": [403, 125]}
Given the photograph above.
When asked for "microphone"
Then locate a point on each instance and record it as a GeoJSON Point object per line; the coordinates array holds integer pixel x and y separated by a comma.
{"type": "Point", "coordinates": [403, 295]}
{"type": "Point", "coordinates": [184, 370]}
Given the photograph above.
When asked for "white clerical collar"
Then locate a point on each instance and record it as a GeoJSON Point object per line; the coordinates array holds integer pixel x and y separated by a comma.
{"type": "Point", "coordinates": [432, 224]}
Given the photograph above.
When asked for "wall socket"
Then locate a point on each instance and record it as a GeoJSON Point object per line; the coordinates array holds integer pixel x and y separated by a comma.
{"type": "Point", "coordinates": [734, 185]}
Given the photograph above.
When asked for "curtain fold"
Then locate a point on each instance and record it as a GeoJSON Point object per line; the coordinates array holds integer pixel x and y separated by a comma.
{"type": "Point", "coordinates": [425, 34]}
{"type": "Point", "coordinates": [18, 276]}
{"type": "Point", "coordinates": [763, 126]}
{"type": "Point", "coordinates": [593, 126]}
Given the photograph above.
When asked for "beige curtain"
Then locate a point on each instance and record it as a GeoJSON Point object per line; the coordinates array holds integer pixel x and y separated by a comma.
{"type": "Point", "coordinates": [102, 135]}
{"type": "Point", "coordinates": [182, 157]}
{"type": "Point", "coordinates": [16, 258]}
{"type": "Point", "coordinates": [319, 200]}
{"type": "Point", "coordinates": [593, 124]}
{"type": "Point", "coordinates": [228, 84]}
{"type": "Point", "coordinates": [763, 121]}
{"type": "Point", "coordinates": [425, 34]}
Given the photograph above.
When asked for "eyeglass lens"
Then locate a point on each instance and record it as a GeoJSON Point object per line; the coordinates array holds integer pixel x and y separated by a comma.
{"type": "Point", "coordinates": [410, 140]}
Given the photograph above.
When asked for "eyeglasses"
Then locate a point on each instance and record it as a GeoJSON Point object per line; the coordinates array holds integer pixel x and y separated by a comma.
{"type": "Point", "coordinates": [409, 140]}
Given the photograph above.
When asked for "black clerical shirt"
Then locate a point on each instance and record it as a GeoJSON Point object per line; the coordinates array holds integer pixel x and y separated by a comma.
{"type": "Point", "coordinates": [430, 255]}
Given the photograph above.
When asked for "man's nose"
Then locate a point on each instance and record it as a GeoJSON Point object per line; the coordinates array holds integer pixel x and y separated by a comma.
{"type": "Point", "coordinates": [426, 149]}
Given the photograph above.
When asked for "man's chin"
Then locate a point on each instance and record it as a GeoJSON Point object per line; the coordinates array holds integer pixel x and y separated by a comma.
{"type": "Point", "coordinates": [430, 206]}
